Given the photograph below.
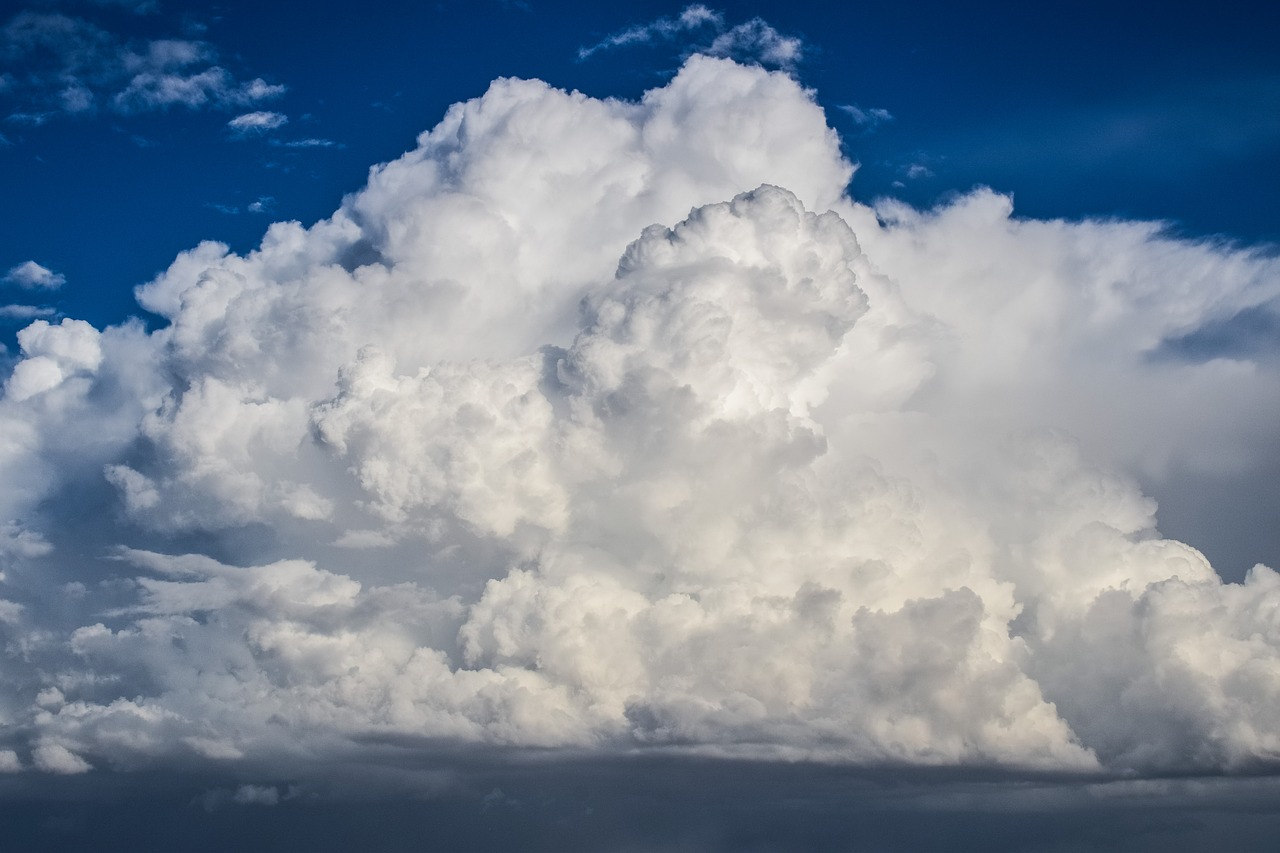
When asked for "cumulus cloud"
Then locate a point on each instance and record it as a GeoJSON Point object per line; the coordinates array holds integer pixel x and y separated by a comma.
{"type": "Point", "coordinates": [32, 276]}
{"type": "Point", "coordinates": [68, 65]}
{"type": "Point", "coordinates": [618, 427]}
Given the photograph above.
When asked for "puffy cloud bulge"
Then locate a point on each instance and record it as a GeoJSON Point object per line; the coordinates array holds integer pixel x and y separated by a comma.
{"type": "Point", "coordinates": [489, 457]}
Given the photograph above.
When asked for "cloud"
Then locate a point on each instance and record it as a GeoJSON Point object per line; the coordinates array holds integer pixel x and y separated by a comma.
{"type": "Point", "coordinates": [32, 119]}
{"type": "Point", "coordinates": [256, 122]}
{"type": "Point", "coordinates": [260, 795]}
{"type": "Point", "coordinates": [693, 17]}
{"type": "Point", "coordinates": [260, 205]}
{"type": "Point", "coordinates": [56, 758]}
{"type": "Point", "coordinates": [757, 41]}
{"type": "Point", "coordinates": [32, 276]}
{"type": "Point", "coordinates": [869, 118]}
{"type": "Point", "coordinates": [753, 41]}
{"type": "Point", "coordinates": [25, 312]}
{"type": "Point", "coordinates": [608, 428]}
{"type": "Point", "coordinates": [64, 65]}
{"type": "Point", "coordinates": [214, 86]}
{"type": "Point", "coordinates": [309, 142]}
{"type": "Point", "coordinates": [52, 353]}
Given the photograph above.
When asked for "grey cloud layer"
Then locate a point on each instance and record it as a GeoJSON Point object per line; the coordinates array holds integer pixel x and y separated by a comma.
{"type": "Point", "coordinates": [489, 457]}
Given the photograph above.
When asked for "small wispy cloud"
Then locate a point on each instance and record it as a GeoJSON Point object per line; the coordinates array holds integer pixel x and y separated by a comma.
{"type": "Point", "coordinates": [258, 89]}
{"type": "Point", "coordinates": [692, 18]}
{"type": "Point", "coordinates": [153, 90]}
{"type": "Point", "coordinates": [29, 119]}
{"type": "Point", "coordinates": [25, 312]}
{"type": "Point", "coordinates": [753, 42]}
{"type": "Point", "coordinates": [757, 41]}
{"type": "Point", "coordinates": [309, 142]}
{"type": "Point", "coordinates": [260, 795]}
{"type": "Point", "coordinates": [250, 124]}
{"type": "Point", "coordinates": [263, 204]}
{"type": "Point", "coordinates": [866, 118]}
{"type": "Point", "coordinates": [32, 276]}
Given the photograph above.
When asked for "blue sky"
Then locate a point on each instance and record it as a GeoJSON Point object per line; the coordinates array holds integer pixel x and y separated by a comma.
{"type": "Point", "coordinates": [547, 425]}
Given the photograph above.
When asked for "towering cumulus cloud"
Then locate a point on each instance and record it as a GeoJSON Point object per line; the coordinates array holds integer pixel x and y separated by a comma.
{"type": "Point", "coordinates": [489, 457]}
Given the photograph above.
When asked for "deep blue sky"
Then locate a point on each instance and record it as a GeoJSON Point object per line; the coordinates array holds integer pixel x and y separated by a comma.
{"type": "Point", "coordinates": [1168, 111]}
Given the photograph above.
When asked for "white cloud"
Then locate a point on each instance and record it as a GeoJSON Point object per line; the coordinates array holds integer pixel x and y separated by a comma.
{"type": "Point", "coordinates": [257, 122]}
{"type": "Point", "coordinates": [868, 118]}
{"type": "Point", "coordinates": [489, 457]}
{"type": "Point", "coordinates": [212, 86]}
{"type": "Point", "coordinates": [51, 354]}
{"type": "Point", "coordinates": [756, 41]}
{"type": "Point", "coordinates": [693, 17]}
{"type": "Point", "coordinates": [255, 90]}
{"type": "Point", "coordinates": [25, 312]}
{"type": "Point", "coordinates": [33, 276]}
{"type": "Point", "coordinates": [309, 142]}
{"type": "Point", "coordinates": [753, 41]}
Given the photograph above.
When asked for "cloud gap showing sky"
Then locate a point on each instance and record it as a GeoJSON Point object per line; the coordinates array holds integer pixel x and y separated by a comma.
{"type": "Point", "coordinates": [617, 430]}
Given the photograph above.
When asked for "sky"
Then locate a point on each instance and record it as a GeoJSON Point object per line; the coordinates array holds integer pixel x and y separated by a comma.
{"type": "Point", "coordinates": [535, 425]}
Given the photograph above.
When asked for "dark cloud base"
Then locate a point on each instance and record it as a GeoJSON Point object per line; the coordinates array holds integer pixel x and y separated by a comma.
{"type": "Point", "coordinates": [647, 804]}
